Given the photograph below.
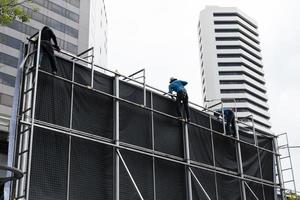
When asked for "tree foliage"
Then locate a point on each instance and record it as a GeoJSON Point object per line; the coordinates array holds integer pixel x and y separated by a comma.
{"type": "Point", "coordinates": [11, 10]}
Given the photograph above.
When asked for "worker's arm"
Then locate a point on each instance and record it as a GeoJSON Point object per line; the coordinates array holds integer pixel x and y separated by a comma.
{"type": "Point", "coordinates": [184, 83]}
{"type": "Point", "coordinates": [53, 37]}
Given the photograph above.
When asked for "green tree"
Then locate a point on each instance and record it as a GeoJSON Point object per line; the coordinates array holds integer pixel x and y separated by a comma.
{"type": "Point", "coordinates": [11, 10]}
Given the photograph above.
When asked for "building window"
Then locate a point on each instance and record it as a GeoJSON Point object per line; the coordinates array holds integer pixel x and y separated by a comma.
{"type": "Point", "coordinates": [235, 15]}
{"type": "Point", "coordinates": [8, 60]}
{"type": "Point", "coordinates": [237, 39]}
{"type": "Point", "coordinates": [221, 22]}
{"type": "Point", "coordinates": [58, 9]}
{"type": "Point", "coordinates": [239, 47]}
{"type": "Point", "coordinates": [10, 41]}
{"type": "Point", "coordinates": [227, 30]}
{"type": "Point", "coordinates": [6, 100]}
{"type": "Point", "coordinates": [7, 79]}
{"type": "Point", "coordinates": [52, 23]}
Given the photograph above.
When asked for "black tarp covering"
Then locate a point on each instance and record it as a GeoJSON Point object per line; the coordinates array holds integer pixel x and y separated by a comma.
{"type": "Point", "coordinates": [167, 131]}
{"type": "Point", "coordinates": [170, 180]}
{"type": "Point", "coordinates": [142, 173]}
{"type": "Point", "coordinates": [91, 163]}
{"type": "Point", "coordinates": [91, 170]}
{"type": "Point", "coordinates": [49, 166]}
{"type": "Point", "coordinates": [207, 181]}
{"type": "Point", "coordinates": [135, 129]}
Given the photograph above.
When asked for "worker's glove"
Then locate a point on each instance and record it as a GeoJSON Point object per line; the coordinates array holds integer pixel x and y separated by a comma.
{"type": "Point", "coordinates": [57, 48]}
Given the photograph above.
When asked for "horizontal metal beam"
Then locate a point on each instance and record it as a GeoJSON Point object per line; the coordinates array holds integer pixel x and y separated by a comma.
{"type": "Point", "coordinates": [99, 139]}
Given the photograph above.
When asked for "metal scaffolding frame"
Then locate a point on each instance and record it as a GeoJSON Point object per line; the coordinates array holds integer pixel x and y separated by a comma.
{"type": "Point", "coordinates": [27, 123]}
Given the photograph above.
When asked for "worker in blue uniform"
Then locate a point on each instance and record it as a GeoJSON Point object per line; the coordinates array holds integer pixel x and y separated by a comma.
{"type": "Point", "coordinates": [182, 98]}
{"type": "Point", "coordinates": [229, 120]}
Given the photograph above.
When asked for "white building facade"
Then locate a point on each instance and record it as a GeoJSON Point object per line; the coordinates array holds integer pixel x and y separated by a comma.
{"type": "Point", "coordinates": [231, 64]}
{"type": "Point", "coordinates": [78, 25]}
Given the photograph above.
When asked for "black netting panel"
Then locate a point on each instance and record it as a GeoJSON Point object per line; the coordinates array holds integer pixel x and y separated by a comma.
{"type": "Point", "coordinates": [92, 112]}
{"type": "Point", "coordinates": [267, 165]}
{"type": "Point", "coordinates": [269, 193]}
{"type": "Point", "coordinates": [64, 67]}
{"type": "Point", "coordinates": [200, 145]}
{"type": "Point", "coordinates": [207, 180]}
{"type": "Point", "coordinates": [217, 125]}
{"type": "Point", "coordinates": [103, 82]}
{"type": "Point", "coordinates": [82, 75]}
{"type": "Point", "coordinates": [256, 188]}
{"type": "Point", "coordinates": [49, 165]}
{"type": "Point", "coordinates": [225, 152]}
{"type": "Point", "coordinates": [140, 167]}
{"type": "Point", "coordinates": [247, 137]}
{"type": "Point", "coordinates": [265, 142]}
{"type": "Point", "coordinates": [168, 135]}
{"type": "Point", "coordinates": [135, 125]}
{"type": "Point", "coordinates": [164, 104]}
{"type": "Point", "coordinates": [200, 118]}
{"type": "Point", "coordinates": [170, 180]}
{"type": "Point", "coordinates": [250, 160]}
{"type": "Point", "coordinates": [228, 188]}
{"type": "Point", "coordinates": [91, 175]}
{"type": "Point", "coordinates": [53, 100]}
{"type": "Point", "coordinates": [133, 93]}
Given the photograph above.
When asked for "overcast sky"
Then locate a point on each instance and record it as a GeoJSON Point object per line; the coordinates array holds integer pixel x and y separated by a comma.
{"type": "Point", "coordinates": [161, 36]}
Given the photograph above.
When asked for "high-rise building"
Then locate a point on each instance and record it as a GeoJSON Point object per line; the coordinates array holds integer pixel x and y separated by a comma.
{"type": "Point", "coordinates": [231, 64]}
{"type": "Point", "coordinates": [78, 25]}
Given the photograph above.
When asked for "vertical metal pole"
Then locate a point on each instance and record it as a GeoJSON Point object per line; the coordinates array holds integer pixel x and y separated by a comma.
{"type": "Point", "coordinates": [223, 117]}
{"type": "Point", "coordinates": [92, 71]}
{"type": "Point", "coordinates": [71, 125]}
{"type": "Point", "coordinates": [33, 114]}
{"type": "Point", "coordinates": [116, 187]}
{"type": "Point", "coordinates": [144, 87]}
{"type": "Point", "coordinates": [280, 178]}
{"type": "Point", "coordinates": [213, 154]}
{"type": "Point", "coordinates": [240, 161]}
{"type": "Point", "coordinates": [153, 148]}
{"type": "Point", "coordinates": [188, 161]}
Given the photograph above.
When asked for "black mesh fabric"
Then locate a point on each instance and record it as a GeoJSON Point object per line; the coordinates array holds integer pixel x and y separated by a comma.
{"type": "Point", "coordinates": [225, 152]}
{"type": "Point", "coordinates": [93, 112]}
{"type": "Point", "coordinates": [103, 83]}
{"type": "Point", "coordinates": [267, 165]}
{"type": "Point", "coordinates": [170, 180]}
{"type": "Point", "coordinates": [228, 188]}
{"type": "Point", "coordinates": [82, 75]}
{"type": "Point", "coordinates": [64, 68]}
{"type": "Point", "coordinates": [53, 103]}
{"type": "Point", "coordinates": [200, 145]}
{"type": "Point", "coordinates": [135, 129]}
{"type": "Point", "coordinates": [200, 138]}
{"type": "Point", "coordinates": [256, 188]}
{"type": "Point", "coordinates": [217, 125]}
{"type": "Point", "coordinates": [91, 175]}
{"type": "Point", "coordinates": [168, 137]}
{"type": "Point", "coordinates": [140, 167]}
{"type": "Point", "coordinates": [49, 165]}
{"type": "Point", "coordinates": [207, 180]}
{"type": "Point", "coordinates": [250, 160]}
{"type": "Point", "coordinates": [269, 193]}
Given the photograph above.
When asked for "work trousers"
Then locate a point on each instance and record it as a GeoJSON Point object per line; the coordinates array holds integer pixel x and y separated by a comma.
{"type": "Point", "coordinates": [230, 124]}
{"type": "Point", "coordinates": [183, 100]}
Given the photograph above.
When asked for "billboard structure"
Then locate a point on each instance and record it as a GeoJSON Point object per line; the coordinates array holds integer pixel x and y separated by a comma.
{"type": "Point", "coordinates": [83, 134]}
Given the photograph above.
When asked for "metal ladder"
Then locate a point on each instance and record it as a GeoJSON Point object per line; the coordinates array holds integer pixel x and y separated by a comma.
{"type": "Point", "coordinates": [26, 114]}
{"type": "Point", "coordinates": [287, 171]}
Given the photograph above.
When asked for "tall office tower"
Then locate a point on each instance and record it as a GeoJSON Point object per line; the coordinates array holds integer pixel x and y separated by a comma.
{"type": "Point", "coordinates": [231, 63]}
{"type": "Point", "coordinates": [78, 25]}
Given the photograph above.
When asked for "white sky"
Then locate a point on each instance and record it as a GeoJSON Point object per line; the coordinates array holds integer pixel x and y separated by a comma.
{"type": "Point", "coordinates": [161, 36]}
